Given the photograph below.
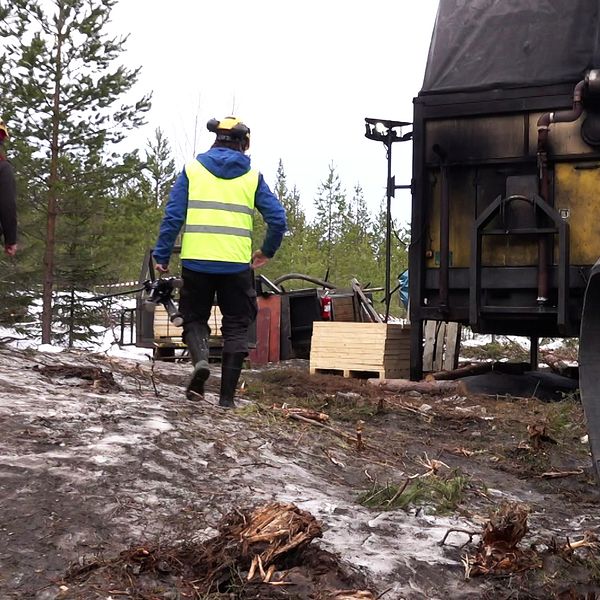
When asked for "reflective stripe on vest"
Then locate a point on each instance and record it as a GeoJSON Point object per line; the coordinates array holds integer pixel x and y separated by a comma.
{"type": "Point", "coordinates": [218, 224]}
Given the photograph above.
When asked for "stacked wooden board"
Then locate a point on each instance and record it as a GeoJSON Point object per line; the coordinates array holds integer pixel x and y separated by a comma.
{"type": "Point", "coordinates": [165, 330]}
{"type": "Point", "coordinates": [360, 349]}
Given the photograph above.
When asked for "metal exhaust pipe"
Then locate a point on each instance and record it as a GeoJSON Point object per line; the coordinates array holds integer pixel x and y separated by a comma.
{"type": "Point", "coordinates": [543, 124]}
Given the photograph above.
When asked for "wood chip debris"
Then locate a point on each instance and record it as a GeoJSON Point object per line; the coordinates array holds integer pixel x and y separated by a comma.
{"type": "Point", "coordinates": [538, 434]}
{"type": "Point", "coordinates": [431, 464]}
{"type": "Point", "coordinates": [351, 595]}
{"type": "Point", "coordinates": [306, 413]}
{"type": "Point", "coordinates": [590, 540]}
{"type": "Point", "coordinates": [463, 451]}
{"type": "Point", "coordinates": [560, 474]}
{"type": "Point", "coordinates": [333, 459]}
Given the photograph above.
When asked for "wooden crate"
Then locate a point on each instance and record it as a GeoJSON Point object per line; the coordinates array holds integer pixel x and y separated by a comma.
{"type": "Point", "coordinates": [360, 349]}
{"type": "Point", "coordinates": [343, 308]}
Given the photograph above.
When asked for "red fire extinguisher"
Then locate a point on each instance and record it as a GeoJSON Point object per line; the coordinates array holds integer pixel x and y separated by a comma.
{"type": "Point", "coordinates": [326, 308]}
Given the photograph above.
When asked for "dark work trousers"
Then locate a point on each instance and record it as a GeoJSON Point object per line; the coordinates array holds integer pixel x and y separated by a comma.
{"type": "Point", "coordinates": [236, 297]}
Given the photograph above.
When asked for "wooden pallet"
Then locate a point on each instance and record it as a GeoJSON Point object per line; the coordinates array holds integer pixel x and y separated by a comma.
{"type": "Point", "coordinates": [378, 350]}
{"type": "Point", "coordinates": [358, 374]}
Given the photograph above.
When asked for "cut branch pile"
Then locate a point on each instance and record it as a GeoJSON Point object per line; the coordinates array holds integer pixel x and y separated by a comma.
{"type": "Point", "coordinates": [270, 532]}
{"type": "Point", "coordinates": [101, 380]}
{"type": "Point", "coordinates": [257, 546]}
{"type": "Point", "coordinates": [499, 551]}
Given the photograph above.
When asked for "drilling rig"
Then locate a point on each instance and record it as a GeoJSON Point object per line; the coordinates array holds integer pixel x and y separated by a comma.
{"type": "Point", "coordinates": [505, 231]}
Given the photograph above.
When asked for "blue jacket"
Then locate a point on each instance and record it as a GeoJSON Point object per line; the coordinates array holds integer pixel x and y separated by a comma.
{"type": "Point", "coordinates": [226, 164]}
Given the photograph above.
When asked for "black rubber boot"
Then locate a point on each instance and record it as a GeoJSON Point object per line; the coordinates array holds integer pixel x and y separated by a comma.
{"type": "Point", "coordinates": [231, 367]}
{"type": "Point", "coordinates": [196, 339]}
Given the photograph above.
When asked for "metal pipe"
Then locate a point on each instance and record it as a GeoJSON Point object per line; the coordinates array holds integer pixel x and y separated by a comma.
{"type": "Point", "coordinates": [567, 116]}
{"type": "Point", "coordinates": [534, 348]}
{"type": "Point", "coordinates": [544, 191]}
{"type": "Point", "coordinates": [543, 125]}
{"type": "Point", "coordinates": [388, 225]}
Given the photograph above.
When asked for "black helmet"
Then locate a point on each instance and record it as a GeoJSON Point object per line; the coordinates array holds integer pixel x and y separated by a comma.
{"type": "Point", "coordinates": [230, 129]}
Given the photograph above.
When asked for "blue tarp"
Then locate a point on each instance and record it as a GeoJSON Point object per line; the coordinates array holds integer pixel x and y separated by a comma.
{"type": "Point", "coordinates": [403, 289]}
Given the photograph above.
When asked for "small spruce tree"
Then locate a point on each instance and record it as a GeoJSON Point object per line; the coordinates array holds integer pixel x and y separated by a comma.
{"type": "Point", "coordinates": [61, 91]}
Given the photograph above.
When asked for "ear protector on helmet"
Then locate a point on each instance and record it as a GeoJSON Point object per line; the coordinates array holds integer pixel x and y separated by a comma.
{"type": "Point", "coordinates": [229, 129]}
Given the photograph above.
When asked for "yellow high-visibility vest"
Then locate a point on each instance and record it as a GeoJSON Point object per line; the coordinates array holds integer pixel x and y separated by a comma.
{"type": "Point", "coordinates": [218, 224]}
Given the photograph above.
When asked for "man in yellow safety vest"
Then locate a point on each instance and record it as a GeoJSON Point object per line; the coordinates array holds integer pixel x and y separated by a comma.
{"type": "Point", "coordinates": [213, 200]}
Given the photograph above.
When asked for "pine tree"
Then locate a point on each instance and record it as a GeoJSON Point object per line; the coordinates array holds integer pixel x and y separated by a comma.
{"type": "Point", "coordinates": [290, 200]}
{"type": "Point", "coordinates": [280, 188]}
{"type": "Point", "coordinates": [140, 205]}
{"type": "Point", "coordinates": [299, 251]}
{"type": "Point", "coordinates": [159, 168]}
{"type": "Point", "coordinates": [330, 205]}
{"type": "Point", "coordinates": [60, 91]}
{"type": "Point", "coordinates": [354, 252]}
{"type": "Point", "coordinates": [359, 212]}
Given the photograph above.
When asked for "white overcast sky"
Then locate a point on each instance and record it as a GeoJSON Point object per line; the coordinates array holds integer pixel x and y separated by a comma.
{"type": "Point", "coordinates": [302, 75]}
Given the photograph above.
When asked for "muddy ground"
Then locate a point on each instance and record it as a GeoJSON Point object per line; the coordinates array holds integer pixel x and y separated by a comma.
{"type": "Point", "coordinates": [100, 463]}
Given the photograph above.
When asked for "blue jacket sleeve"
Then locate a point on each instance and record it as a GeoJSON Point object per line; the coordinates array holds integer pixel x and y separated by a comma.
{"type": "Point", "coordinates": [273, 214]}
{"type": "Point", "coordinates": [173, 220]}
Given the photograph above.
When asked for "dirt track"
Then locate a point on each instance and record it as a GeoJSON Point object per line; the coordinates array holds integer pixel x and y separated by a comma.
{"type": "Point", "coordinates": [89, 468]}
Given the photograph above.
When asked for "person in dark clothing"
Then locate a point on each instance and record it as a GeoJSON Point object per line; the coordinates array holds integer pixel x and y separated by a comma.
{"type": "Point", "coordinates": [8, 198]}
{"type": "Point", "coordinates": [213, 200]}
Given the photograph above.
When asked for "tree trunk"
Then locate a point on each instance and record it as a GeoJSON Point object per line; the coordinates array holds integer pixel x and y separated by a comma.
{"type": "Point", "coordinates": [425, 387]}
{"type": "Point", "coordinates": [48, 277]}
{"type": "Point", "coordinates": [465, 371]}
{"type": "Point", "coordinates": [49, 268]}
{"type": "Point", "coordinates": [72, 318]}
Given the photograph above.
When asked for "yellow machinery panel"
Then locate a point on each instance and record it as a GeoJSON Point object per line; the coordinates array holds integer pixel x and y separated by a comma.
{"type": "Point", "coordinates": [577, 197]}
{"type": "Point", "coordinates": [497, 251]}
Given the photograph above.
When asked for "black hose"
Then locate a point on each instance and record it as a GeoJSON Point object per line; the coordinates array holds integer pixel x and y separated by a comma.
{"type": "Point", "coordinates": [308, 278]}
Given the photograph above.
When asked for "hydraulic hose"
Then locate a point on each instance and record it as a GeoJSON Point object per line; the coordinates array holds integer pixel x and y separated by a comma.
{"type": "Point", "coordinates": [308, 278]}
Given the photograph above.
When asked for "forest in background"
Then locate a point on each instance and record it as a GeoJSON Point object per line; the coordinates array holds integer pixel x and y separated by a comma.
{"type": "Point", "coordinates": [89, 211]}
